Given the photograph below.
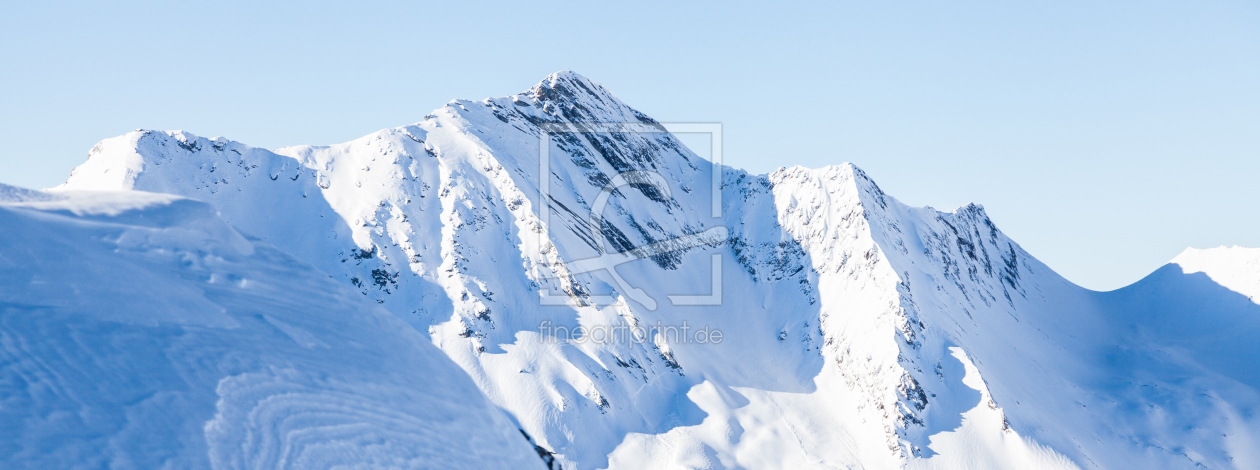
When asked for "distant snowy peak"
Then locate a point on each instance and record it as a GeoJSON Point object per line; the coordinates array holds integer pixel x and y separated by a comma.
{"type": "Point", "coordinates": [118, 163]}
{"type": "Point", "coordinates": [1236, 268]}
{"type": "Point", "coordinates": [112, 164]}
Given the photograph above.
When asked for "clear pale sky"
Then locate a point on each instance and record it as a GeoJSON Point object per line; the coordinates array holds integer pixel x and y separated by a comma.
{"type": "Point", "coordinates": [1104, 138]}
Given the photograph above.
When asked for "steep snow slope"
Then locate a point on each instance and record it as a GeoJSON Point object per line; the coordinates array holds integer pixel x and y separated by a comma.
{"type": "Point", "coordinates": [1096, 376]}
{"type": "Point", "coordinates": [855, 331]}
{"type": "Point", "coordinates": [139, 330]}
{"type": "Point", "coordinates": [1184, 352]}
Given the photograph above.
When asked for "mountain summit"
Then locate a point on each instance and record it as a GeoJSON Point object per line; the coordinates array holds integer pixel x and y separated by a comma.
{"type": "Point", "coordinates": [842, 328]}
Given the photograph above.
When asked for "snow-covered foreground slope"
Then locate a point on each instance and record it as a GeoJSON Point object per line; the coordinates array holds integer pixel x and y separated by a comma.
{"type": "Point", "coordinates": [853, 331]}
{"type": "Point", "coordinates": [139, 330]}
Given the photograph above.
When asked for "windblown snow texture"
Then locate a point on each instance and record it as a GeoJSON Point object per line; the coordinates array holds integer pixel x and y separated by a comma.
{"type": "Point", "coordinates": [857, 332]}
{"type": "Point", "coordinates": [139, 330]}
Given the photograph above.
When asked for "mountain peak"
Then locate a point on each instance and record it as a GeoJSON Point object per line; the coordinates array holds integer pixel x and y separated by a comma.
{"type": "Point", "coordinates": [569, 79]}
{"type": "Point", "coordinates": [565, 75]}
{"type": "Point", "coordinates": [575, 98]}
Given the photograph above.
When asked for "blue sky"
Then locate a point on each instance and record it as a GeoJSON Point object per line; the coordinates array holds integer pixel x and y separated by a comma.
{"type": "Point", "coordinates": [1104, 138]}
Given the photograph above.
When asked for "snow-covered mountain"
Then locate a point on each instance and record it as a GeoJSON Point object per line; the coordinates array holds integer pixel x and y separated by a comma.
{"type": "Point", "coordinates": [841, 328]}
